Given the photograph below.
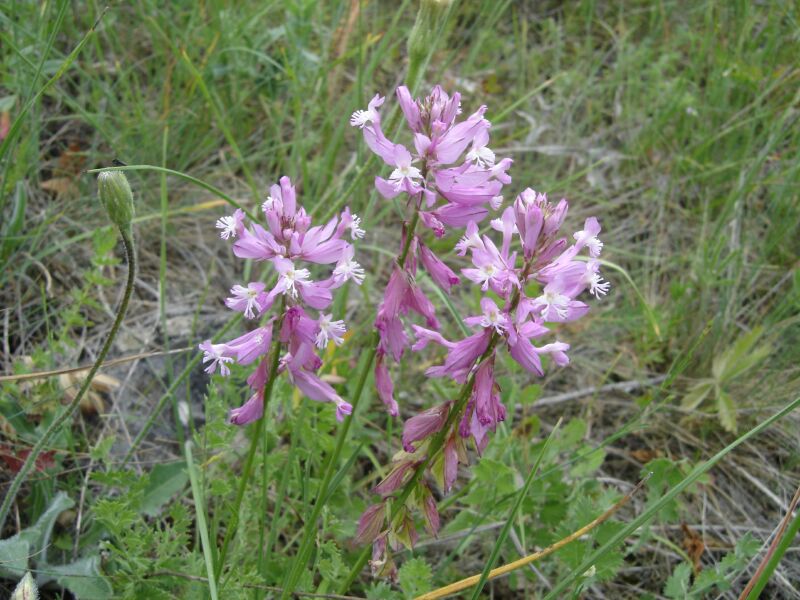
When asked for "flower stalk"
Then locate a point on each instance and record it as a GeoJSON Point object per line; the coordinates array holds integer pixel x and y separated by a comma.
{"type": "Point", "coordinates": [117, 198]}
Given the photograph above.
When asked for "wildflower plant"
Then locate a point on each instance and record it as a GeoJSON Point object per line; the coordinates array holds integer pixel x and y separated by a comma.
{"type": "Point", "coordinates": [301, 325]}
{"type": "Point", "coordinates": [451, 179]}
{"type": "Point", "coordinates": [531, 279]}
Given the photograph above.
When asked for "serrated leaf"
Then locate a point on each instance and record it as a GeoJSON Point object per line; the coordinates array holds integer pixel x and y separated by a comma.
{"type": "Point", "coordinates": [726, 411]}
{"type": "Point", "coordinates": [415, 577]}
{"type": "Point", "coordinates": [102, 448]}
{"type": "Point", "coordinates": [496, 474]}
{"type": "Point", "coordinates": [677, 586]}
{"type": "Point", "coordinates": [381, 591]}
{"type": "Point", "coordinates": [165, 481]}
{"type": "Point", "coordinates": [590, 464]}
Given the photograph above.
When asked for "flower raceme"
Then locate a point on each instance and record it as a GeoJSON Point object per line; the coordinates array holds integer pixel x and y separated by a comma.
{"type": "Point", "coordinates": [530, 256]}
{"type": "Point", "coordinates": [451, 179]}
{"type": "Point", "coordinates": [288, 242]}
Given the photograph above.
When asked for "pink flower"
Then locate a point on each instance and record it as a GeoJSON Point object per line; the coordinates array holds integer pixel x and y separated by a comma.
{"type": "Point", "coordinates": [384, 385]}
{"type": "Point", "coordinates": [214, 354]}
{"type": "Point", "coordinates": [423, 425]}
{"type": "Point", "coordinates": [588, 237]}
{"type": "Point", "coordinates": [231, 226]}
{"type": "Point", "coordinates": [439, 272]}
{"type": "Point", "coordinates": [288, 239]}
{"type": "Point", "coordinates": [249, 411]}
{"type": "Point", "coordinates": [247, 348]}
{"type": "Point", "coordinates": [249, 300]}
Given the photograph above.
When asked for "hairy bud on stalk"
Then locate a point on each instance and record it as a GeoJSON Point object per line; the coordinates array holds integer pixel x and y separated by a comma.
{"type": "Point", "coordinates": [116, 196]}
{"type": "Point", "coordinates": [26, 589]}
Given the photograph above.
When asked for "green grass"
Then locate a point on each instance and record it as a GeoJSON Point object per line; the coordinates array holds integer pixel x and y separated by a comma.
{"type": "Point", "coordinates": [676, 124]}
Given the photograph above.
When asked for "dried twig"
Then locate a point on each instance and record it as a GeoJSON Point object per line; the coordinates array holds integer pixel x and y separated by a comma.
{"type": "Point", "coordinates": [107, 363]}
{"type": "Point", "coordinates": [513, 566]}
{"type": "Point", "coordinates": [772, 547]}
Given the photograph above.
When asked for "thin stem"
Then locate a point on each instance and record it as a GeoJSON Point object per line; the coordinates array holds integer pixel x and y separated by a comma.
{"type": "Point", "coordinates": [412, 226]}
{"type": "Point", "coordinates": [438, 440]}
{"type": "Point", "coordinates": [30, 461]}
{"type": "Point", "coordinates": [200, 514]}
{"type": "Point", "coordinates": [775, 552]}
{"type": "Point", "coordinates": [305, 545]}
{"type": "Point", "coordinates": [258, 428]}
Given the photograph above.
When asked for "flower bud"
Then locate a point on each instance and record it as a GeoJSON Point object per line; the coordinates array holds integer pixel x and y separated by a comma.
{"type": "Point", "coordinates": [116, 196]}
{"type": "Point", "coordinates": [26, 589]}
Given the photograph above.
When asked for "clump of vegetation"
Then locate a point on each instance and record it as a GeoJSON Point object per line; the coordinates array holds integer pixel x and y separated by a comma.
{"type": "Point", "coordinates": [657, 463]}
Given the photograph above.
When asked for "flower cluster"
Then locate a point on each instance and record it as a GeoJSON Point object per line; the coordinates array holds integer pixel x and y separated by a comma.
{"type": "Point", "coordinates": [511, 318]}
{"type": "Point", "coordinates": [288, 240]}
{"type": "Point", "coordinates": [451, 179]}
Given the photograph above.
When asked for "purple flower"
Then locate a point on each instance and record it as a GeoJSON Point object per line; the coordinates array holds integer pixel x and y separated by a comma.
{"type": "Point", "coordinates": [443, 275]}
{"type": "Point", "coordinates": [451, 159]}
{"type": "Point", "coordinates": [384, 385]}
{"type": "Point", "coordinates": [288, 240]}
{"type": "Point", "coordinates": [249, 300]}
{"type": "Point", "coordinates": [370, 523]}
{"type": "Point", "coordinates": [231, 226]}
{"type": "Point", "coordinates": [249, 411]}
{"type": "Point", "coordinates": [423, 425]}
{"type": "Point", "coordinates": [214, 354]}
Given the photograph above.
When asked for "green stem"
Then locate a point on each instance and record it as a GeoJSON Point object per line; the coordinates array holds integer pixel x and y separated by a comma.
{"type": "Point", "coordinates": [308, 537]}
{"type": "Point", "coordinates": [258, 428]}
{"type": "Point", "coordinates": [438, 440]}
{"type": "Point", "coordinates": [30, 461]}
{"type": "Point", "coordinates": [200, 514]}
{"type": "Point", "coordinates": [412, 227]}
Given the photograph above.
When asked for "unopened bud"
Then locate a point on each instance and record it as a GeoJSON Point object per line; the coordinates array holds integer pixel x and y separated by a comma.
{"type": "Point", "coordinates": [26, 589]}
{"type": "Point", "coordinates": [116, 196]}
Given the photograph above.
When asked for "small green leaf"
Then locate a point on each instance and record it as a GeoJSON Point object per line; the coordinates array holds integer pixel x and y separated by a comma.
{"type": "Point", "coordinates": [496, 474]}
{"type": "Point", "coordinates": [677, 586]}
{"type": "Point", "coordinates": [26, 589]}
{"type": "Point", "coordinates": [166, 480]}
{"type": "Point", "coordinates": [740, 357]}
{"type": "Point", "coordinates": [590, 464]}
{"type": "Point", "coordinates": [14, 554]}
{"type": "Point", "coordinates": [83, 578]}
{"type": "Point", "coordinates": [726, 411]}
{"type": "Point", "coordinates": [415, 577]}
{"type": "Point", "coordinates": [102, 448]}
{"type": "Point", "coordinates": [697, 393]}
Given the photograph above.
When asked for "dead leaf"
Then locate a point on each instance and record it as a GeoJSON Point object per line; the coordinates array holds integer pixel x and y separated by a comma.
{"type": "Point", "coordinates": [5, 124]}
{"type": "Point", "coordinates": [645, 455]}
{"type": "Point", "coordinates": [92, 402]}
{"type": "Point", "coordinates": [60, 186]}
{"type": "Point", "coordinates": [71, 161]}
{"type": "Point", "coordinates": [694, 546]}
{"type": "Point", "coordinates": [15, 458]}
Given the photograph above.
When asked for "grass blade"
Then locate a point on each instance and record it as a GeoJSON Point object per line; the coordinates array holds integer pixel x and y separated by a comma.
{"type": "Point", "coordinates": [200, 514]}
{"type": "Point", "coordinates": [523, 493]}
{"type": "Point", "coordinates": [653, 510]}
